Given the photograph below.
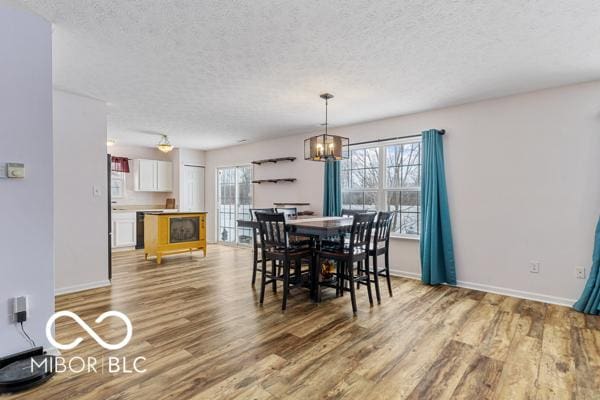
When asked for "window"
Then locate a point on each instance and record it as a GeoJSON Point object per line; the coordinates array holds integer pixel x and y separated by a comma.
{"type": "Point", "coordinates": [386, 177]}
{"type": "Point", "coordinates": [234, 191]}
{"type": "Point", "coordinates": [117, 185]}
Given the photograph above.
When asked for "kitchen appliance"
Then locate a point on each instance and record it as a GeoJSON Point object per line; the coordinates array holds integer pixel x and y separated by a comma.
{"type": "Point", "coordinates": [139, 225]}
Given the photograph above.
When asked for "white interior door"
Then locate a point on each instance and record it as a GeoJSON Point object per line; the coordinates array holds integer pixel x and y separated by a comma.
{"type": "Point", "coordinates": [193, 188]}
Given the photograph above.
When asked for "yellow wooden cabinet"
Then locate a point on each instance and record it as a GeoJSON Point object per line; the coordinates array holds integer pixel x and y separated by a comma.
{"type": "Point", "coordinates": [172, 233]}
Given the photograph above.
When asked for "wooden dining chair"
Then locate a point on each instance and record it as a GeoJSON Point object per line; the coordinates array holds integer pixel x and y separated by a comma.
{"type": "Point", "coordinates": [380, 245]}
{"type": "Point", "coordinates": [275, 245]}
{"type": "Point", "coordinates": [346, 212]}
{"type": "Point", "coordinates": [256, 260]}
{"type": "Point", "coordinates": [355, 252]}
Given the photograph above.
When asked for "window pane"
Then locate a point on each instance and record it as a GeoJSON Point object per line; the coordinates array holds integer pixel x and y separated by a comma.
{"type": "Point", "coordinates": [409, 223]}
{"type": "Point", "coordinates": [392, 155]}
{"type": "Point", "coordinates": [410, 176]}
{"type": "Point", "coordinates": [358, 159]}
{"type": "Point", "coordinates": [411, 153]}
{"type": "Point", "coordinates": [356, 200]}
{"type": "Point", "coordinates": [370, 202]}
{"type": "Point", "coordinates": [358, 178]}
{"type": "Point", "coordinates": [371, 177]}
{"type": "Point", "coordinates": [393, 200]}
{"type": "Point", "coordinates": [410, 201]}
{"type": "Point", "coordinates": [392, 177]}
{"type": "Point", "coordinates": [345, 176]}
{"type": "Point", "coordinates": [372, 158]}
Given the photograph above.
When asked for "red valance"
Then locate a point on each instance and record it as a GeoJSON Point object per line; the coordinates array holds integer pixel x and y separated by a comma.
{"type": "Point", "coordinates": [120, 164]}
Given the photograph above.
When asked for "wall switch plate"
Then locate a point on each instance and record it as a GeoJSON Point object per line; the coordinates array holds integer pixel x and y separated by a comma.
{"type": "Point", "coordinates": [534, 267]}
{"type": "Point", "coordinates": [96, 190]}
{"type": "Point", "coordinates": [580, 272]}
{"type": "Point", "coordinates": [15, 170]}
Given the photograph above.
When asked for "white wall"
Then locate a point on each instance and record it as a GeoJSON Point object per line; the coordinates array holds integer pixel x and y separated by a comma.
{"type": "Point", "coordinates": [140, 152]}
{"type": "Point", "coordinates": [522, 174]}
{"type": "Point", "coordinates": [80, 218]}
{"type": "Point", "coordinates": [26, 242]}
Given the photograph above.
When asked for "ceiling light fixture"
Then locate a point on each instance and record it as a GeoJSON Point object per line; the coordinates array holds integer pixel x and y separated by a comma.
{"type": "Point", "coordinates": [164, 145]}
{"type": "Point", "coordinates": [326, 147]}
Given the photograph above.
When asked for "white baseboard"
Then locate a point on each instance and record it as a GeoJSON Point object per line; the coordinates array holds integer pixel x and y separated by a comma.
{"type": "Point", "coordinates": [79, 288]}
{"type": "Point", "coordinates": [544, 298]}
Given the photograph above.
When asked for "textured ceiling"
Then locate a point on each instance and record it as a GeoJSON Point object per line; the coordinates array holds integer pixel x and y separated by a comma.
{"type": "Point", "coordinates": [210, 73]}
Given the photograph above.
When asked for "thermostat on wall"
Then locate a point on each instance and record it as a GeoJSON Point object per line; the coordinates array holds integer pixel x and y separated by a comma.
{"type": "Point", "coordinates": [15, 170]}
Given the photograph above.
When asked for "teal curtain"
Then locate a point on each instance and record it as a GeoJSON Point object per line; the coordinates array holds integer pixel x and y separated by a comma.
{"type": "Point", "coordinates": [332, 190]}
{"type": "Point", "coordinates": [589, 302]}
{"type": "Point", "coordinates": [437, 252]}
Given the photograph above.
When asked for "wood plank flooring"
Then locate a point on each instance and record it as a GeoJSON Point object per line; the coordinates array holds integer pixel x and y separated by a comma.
{"type": "Point", "coordinates": [198, 323]}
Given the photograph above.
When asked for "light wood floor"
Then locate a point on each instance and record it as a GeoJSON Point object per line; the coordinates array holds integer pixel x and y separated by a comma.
{"type": "Point", "coordinates": [197, 322]}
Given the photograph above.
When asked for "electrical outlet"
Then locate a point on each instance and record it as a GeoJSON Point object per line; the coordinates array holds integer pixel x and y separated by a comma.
{"type": "Point", "coordinates": [534, 267]}
{"type": "Point", "coordinates": [20, 308]}
{"type": "Point", "coordinates": [580, 272]}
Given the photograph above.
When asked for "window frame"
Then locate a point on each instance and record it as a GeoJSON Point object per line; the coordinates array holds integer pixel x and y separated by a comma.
{"type": "Point", "coordinates": [382, 189]}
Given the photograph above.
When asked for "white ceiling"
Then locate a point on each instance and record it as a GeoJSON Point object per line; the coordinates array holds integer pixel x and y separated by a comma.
{"type": "Point", "coordinates": [210, 73]}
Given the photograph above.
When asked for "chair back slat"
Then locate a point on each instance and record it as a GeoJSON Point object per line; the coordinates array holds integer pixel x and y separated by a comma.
{"type": "Point", "coordinates": [360, 234]}
{"type": "Point", "coordinates": [383, 227]}
{"type": "Point", "coordinates": [272, 229]}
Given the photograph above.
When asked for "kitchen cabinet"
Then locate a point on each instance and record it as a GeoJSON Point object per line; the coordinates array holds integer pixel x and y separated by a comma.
{"type": "Point", "coordinates": [164, 176]}
{"type": "Point", "coordinates": [153, 176]}
{"type": "Point", "coordinates": [124, 232]}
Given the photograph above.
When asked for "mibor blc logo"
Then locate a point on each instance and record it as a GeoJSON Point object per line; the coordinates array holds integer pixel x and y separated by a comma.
{"type": "Point", "coordinates": [89, 330]}
{"type": "Point", "coordinates": [76, 364]}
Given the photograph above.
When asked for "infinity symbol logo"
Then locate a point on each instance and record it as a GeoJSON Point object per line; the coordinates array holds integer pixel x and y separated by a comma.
{"type": "Point", "coordinates": [89, 330]}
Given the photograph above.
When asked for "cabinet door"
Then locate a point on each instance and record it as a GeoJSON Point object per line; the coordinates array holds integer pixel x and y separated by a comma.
{"type": "Point", "coordinates": [164, 176]}
{"type": "Point", "coordinates": [124, 234]}
{"type": "Point", "coordinates": [147, 175]}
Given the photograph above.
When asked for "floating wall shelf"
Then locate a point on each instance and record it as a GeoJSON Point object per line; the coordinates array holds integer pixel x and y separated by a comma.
{"type": "Point", "coordinates": [273, 160]}
{"type": "Point", "coordinates": [291, 204]}
{"type": "Point", "coordinates": [259, 181]}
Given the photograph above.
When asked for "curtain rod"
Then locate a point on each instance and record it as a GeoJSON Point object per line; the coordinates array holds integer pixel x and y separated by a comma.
{"type": "Point", "coordinates": [442, 131]}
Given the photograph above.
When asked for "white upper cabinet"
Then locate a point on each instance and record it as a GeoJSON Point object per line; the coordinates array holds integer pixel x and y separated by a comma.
{"type": "Point", "coordinates": [165, 176]}
{"type": "Point", "coordinates": [153, 176]}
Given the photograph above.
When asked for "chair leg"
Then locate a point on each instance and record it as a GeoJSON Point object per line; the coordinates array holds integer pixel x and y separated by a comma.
{"type": "Point", "coordinates": [360, 267]}
{"type": "Point", "coordinates": [342, 267]}
{"type": "Point", "coordinates": [368, 281]}
{"type": "Point", "coordinates": [286, 282]}
{"type": "Point", "coordinates": [298, 271]}
{"type": "Point", "coordinates": [350, 266]}
{"type": "Point", "coordinates": [263, 281]}
{"type": "Point", "coordinates": [274, 272]}
{"type": "Point", "coordinates": [254, 264]}
{"type": "Point", "coordinates": [376, 278]}
{"type": "Point", "coordinates": [387, 272]}
{"type": "Point", "coordinates": [338, 275]}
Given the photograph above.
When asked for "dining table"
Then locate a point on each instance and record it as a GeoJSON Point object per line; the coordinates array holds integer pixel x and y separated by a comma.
{"type": "Point", "coordinates": [316, 228]}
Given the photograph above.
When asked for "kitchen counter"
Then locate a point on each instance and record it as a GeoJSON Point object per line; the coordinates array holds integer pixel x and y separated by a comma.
{"type": "Point", "coordinates": [141, 209]}
{"type": "Point", "coordinates": [175, 212]}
